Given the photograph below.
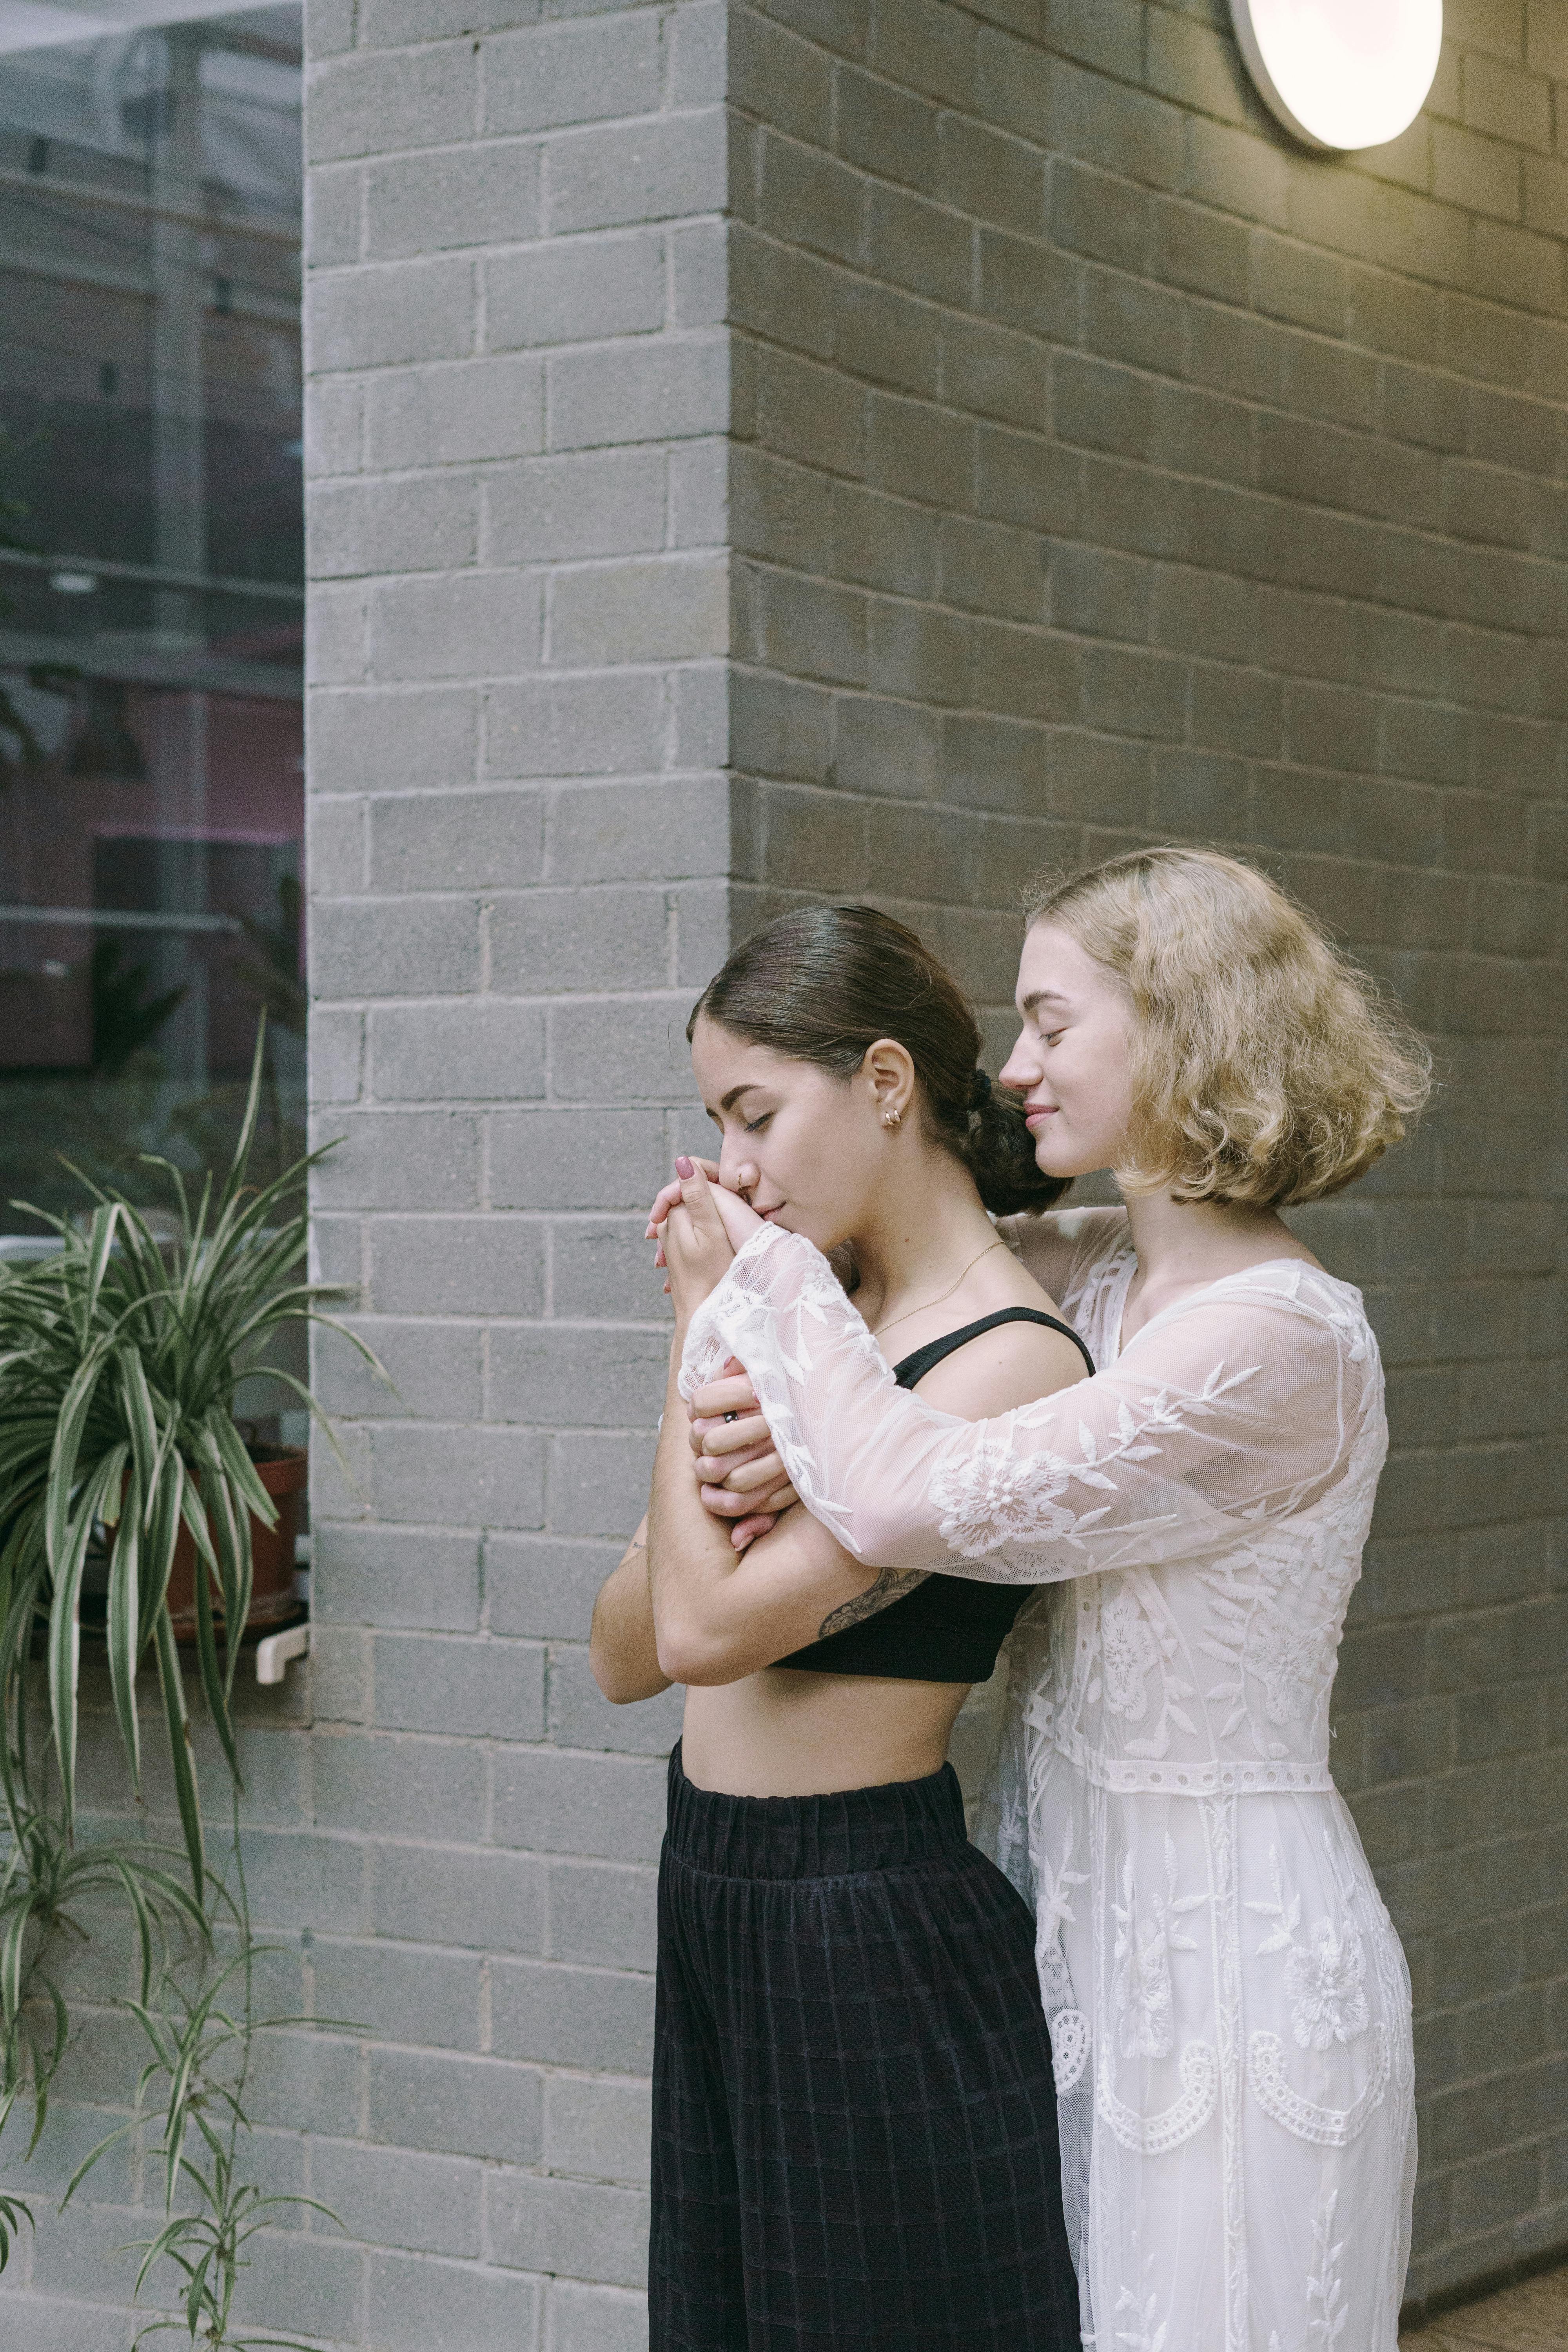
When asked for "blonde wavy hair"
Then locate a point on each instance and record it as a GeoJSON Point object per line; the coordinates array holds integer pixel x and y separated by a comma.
{"type": "Point", "coordinates": [1267, 1070]}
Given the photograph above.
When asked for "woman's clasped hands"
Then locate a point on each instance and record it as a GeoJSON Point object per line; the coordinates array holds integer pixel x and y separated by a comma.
{"type": "Point", "coordinates": [699, 1224]}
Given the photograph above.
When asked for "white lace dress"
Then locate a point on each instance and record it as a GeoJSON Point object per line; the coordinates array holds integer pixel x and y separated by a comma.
{"type": "Point", "coordinates": [1229, 2005]}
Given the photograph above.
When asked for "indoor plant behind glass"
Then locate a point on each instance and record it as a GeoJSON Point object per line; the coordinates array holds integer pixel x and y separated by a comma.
{"type": "Point", "coordinates": [120, 1358]}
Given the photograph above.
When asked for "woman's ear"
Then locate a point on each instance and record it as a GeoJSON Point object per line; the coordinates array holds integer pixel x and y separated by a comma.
{"type": "Point", "coordinates": [890, 1074]}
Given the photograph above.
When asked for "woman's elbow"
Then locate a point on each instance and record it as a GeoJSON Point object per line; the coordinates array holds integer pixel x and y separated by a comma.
{"type": "Point", "coordinates": [623, 1679]}
{"type": "Point", "coordinates": [696, 1656]}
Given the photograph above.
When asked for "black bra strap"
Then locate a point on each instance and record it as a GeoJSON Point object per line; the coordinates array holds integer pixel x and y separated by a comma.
{"type": "Point", "coordinates": [914, 1368]}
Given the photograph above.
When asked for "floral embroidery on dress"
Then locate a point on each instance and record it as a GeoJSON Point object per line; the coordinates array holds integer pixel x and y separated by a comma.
{"type": "Point", "coordinates": [997, 1497]}
{"type": "Point", "coordinates": [1147, 1933]}
{"type": "Point", "coordinates": [1130, 1652]}
{"type": "Point", "coordinates": [1325, 1978]}
{"type": "Point", "coordinates": [1323, 2284]}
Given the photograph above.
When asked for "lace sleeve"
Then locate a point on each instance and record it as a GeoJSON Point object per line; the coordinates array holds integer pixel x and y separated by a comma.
{"type": "Point", "coordinates": [1243, 1406]}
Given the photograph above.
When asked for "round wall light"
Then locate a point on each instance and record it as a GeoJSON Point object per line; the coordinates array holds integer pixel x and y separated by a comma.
{"type": "Point", "coordinates": [1342, 73]}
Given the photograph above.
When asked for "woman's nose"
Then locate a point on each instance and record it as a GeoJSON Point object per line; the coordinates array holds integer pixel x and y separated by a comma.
{"type": "Point", "coordinates": [1022, 1068]}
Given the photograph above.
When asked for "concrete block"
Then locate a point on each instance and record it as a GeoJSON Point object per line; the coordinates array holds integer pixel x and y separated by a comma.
{"type": "Point", "coordinates": [456, 1896]}
{"type": "Point", "coordinates": [484, 1690]}
{"type": "Point", "coordinates": [475, 841]}
{"type": "Point", "coordinates": [397, 311]}
{"type": "Point", "coordinates": [399, 1992]}
{"type": "Point", "coordinates": [551, 941]}
{"type": "Point", "coordinates": [603, 1913]}
{"type": "Point", "coordinates": [370, 105]}
{"type": "Point", "coordinates": [995, 764]}
{"type": "Point", "coordinates": [585, 1375]}
{"type": "Point", "coordinates": [395, 1576]}
{"type": "Point", "coordinates": [671, 610]}
{"type": "Point", "coordinates": [397, 24]}
{"type": "Point", "coordinates": [657, 168]}
{"type": "Point", "coordinates": [333, 421]}
{"type": "Point", "coordinates": [610, 502]}
{"type": "Point", "coordinates": [880, 127]}
{"type": "Point", "coordinates": [424, 1366]}
{"type": "Point", "coordinates": [419, 2306]}
{"type": "Point", "coordinates": [988, 568]}
{"type": "Point", "coordinates": [361, 527]}
{"type": "Point", "coordinates": [590, 2318]}
{"type": "Point", "coordinates": [466, 1476]}
{"type": "Point", "coordinates": [567, 2016]}
{"type": "Point", "coordinates": [603, 1269]}
{"type": "Point", "coordinates": [917, 243]}
{"type": "Point", "coordinates": [455, 2106]}
{"type": "Point", "coordinates": [457, 1265]}
{"type": "Point", "coordinates": [475, 409]}
{"type": "Point", "coordinates": [575, 289]}
{"type": "Point", "coordinates": [540, 77]}
{"type": "Point", "coordinates": [543, 1588]}
{"type": "Point", "coordinates": [658, 830]}
{"type": "Point", "coordinates": [305, 2082]}
{"type": "Point", "coordinates": [700, 493]}
{"type": "Point", "coordinates": [575, 2229]}
{"type": "Point", "coordinates": [429, 1159]}
{"type": "Point", "coordinates": [884, 335]}
{"type": "Point", "coordinates": [574, 727]}
{"type": "Point", "coordinates": [537, 1159]}
{"type": "Point", "coordinates": [383, 1784]}
{"type": "Point", "coordinates": [1101, 406]}
{"type": "Point", "coordinates": [1025, 673]}
{"type": "Point", "coordinates": [580, 1716]}
{"type": "Point", "coordinates": [883, 747]}
{"type": "Point", "coordinates": [339, 1674]}
{"type": "Point", "coordinates": [424, 2203]}
{"type": "Point", "coordinates": [481, 1050]}
{"type": "Point", "coordinates": [611, 1807]}
{"type": "Point", "coordinates": [813, 628]}
{"type": "Point", "coordinates": [299, 2281]}
{"type": "Point", "coordinates": [1100, 595]}
{"type": "Point", "coordinates": [989, 371]}
{"type": "Point", "coordinates": [391, 741]}
{"type": "Point", "coordinates": [419, 947]}
{"type": "Point", "coordinates": [461, 196]}
{"type": "Point", "coordinates": [470, 625]}
{"type": "Point", "coordinates": [336, 1055]}
{"type": "Point", "coordinates": [598, 2130]}
{"type": "Point", "coordinates": [665, 389]}
{"type": "Point", "coordinates": [333, 215]}
{"type": "Point", "coordinates": [810, 199]}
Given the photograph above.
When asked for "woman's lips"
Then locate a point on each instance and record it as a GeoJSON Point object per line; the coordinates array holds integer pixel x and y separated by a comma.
{"type": "Point", "coordinates": [1036, 1112]}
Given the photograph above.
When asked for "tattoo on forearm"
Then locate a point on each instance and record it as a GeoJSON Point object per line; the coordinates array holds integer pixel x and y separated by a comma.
{"type": "Point", "coordinates": [890, 1587]}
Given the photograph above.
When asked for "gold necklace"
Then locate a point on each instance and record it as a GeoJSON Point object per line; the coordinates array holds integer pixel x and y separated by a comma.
{"type": "Point", "coordinates": [997, 1243]}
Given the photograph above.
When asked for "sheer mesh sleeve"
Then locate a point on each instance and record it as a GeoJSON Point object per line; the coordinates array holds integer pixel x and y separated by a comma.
{"type": "Point", "coordinates": [1237, 1409]}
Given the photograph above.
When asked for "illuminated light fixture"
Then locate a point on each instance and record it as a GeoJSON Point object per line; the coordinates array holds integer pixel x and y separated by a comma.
{"type": "Point", "coordinates": [1342, 73]}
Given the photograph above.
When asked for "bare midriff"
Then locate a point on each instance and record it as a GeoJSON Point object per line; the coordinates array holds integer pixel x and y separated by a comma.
{"type": "Point", "coordinates": [782, 1733]}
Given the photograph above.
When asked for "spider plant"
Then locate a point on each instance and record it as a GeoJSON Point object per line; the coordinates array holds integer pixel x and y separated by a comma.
{"type": "Point", "coordinates": [43, 1885]}
{"type": "Point", "coordinates": [119, 1361]}
{"type": "Point", "coordinates": [200, 2056]}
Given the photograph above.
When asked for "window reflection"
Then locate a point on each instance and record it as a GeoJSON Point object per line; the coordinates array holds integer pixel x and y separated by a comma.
{"type": "Point", "coordinates": [151, 588]}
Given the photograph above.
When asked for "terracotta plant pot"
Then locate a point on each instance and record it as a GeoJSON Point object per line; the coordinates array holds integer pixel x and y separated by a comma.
{"type": "Point", "coordinates": [283, 1470]}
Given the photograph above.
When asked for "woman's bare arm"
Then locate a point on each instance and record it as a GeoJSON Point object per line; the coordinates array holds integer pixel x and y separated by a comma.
{"type": "Point", "coordinates": [719, 1614]}
{"type": "Point", "coordinates": [622, 1648]}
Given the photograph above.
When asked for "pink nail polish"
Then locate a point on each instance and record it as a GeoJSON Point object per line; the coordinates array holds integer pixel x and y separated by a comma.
{"type": "Point", "coordinates": [685, 1168]}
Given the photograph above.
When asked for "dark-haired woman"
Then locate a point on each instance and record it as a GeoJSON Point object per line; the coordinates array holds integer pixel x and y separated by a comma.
{"type": "Point", "coordinates": [854, 2139]}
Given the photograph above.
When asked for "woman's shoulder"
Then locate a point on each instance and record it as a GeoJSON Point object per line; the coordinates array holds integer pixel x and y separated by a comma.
{"type": "Point", "coordinates": [1061, 1246]}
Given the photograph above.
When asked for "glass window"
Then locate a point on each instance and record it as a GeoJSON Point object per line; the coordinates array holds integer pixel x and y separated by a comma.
{"type": "Point", "coordinates": [152, 590]}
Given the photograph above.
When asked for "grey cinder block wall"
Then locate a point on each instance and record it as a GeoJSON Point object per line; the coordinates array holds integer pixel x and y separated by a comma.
{"type": "Point", "coordinates": [863, 447]}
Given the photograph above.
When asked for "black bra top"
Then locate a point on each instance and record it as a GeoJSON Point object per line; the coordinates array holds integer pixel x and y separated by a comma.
{"type": "Point", "coordinates": [948, 1628]}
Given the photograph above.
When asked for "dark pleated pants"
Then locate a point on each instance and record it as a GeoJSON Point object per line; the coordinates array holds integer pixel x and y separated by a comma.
{"type": "Point", "coordinates": [854, 2118]}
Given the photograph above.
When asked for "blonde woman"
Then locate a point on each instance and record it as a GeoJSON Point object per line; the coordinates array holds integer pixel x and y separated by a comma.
{"type": "Point", "coordinates": [1229, 2005]}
